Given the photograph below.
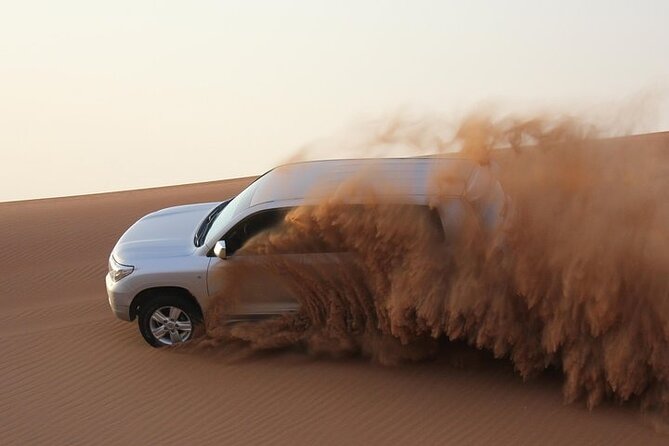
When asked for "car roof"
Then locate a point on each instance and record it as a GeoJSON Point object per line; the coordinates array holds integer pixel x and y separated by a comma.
{"type": "Point", "coordinates": [410, 177]}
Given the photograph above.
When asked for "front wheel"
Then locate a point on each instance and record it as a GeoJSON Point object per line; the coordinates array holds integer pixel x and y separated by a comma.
{"type": "Point", "coordinates": [167, 320]}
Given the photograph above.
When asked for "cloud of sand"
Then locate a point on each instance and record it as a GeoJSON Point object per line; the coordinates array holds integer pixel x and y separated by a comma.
{"type": "Point", "coordinates": [577, 278]}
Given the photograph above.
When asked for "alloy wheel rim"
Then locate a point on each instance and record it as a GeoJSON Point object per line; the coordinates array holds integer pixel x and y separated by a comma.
{"type": "Point", "coordinates": [170, 325]}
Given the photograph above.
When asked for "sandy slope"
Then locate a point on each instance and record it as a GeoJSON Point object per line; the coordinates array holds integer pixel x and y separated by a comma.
{"type": "Point", "coordinates": [71, 373]}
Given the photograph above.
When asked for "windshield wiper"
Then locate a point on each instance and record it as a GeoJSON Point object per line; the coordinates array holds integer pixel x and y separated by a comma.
{"type": "Point", "coordinates": [207, 222]}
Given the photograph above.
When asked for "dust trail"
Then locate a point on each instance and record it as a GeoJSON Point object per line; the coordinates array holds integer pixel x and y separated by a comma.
{"type": "Point", "coordinates": [577, 278]}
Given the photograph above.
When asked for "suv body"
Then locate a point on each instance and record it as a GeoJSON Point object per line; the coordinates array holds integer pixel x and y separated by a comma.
{"type": "Point", "coordinates": [166, 263]}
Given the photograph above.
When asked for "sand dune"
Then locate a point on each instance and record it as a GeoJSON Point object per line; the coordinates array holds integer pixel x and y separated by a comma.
{"type": "Point", "coordinates": [71, 373]}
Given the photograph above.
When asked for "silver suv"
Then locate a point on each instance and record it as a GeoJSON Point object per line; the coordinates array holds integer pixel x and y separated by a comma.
{"type": "Point", "coordinates": [167, 266]}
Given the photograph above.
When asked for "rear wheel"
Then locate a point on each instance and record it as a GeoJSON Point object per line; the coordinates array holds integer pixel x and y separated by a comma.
{"type": "Point", "coordinates": [168, 320]}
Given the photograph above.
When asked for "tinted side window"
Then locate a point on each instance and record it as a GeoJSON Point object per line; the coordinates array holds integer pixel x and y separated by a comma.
{"type": "Point", "coordinates": [347, 223]}
{"type": "Point", "coordinates": [252, 225]}
{"type": "Point", "coordinates": [406, 218]}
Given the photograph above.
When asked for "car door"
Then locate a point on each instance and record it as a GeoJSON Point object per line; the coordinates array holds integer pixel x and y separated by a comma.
{"type": "Point", "coordinates": [252, 285]}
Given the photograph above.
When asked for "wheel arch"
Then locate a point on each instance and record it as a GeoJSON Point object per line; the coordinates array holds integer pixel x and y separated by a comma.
{"type": "Point", "coordinates": [146, 295]}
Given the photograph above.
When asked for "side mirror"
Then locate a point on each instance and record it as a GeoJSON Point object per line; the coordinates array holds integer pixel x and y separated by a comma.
{"type": "Point", "coordinates": [219, 249]}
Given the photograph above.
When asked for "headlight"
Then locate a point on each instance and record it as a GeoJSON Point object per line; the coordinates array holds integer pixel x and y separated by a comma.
{"type": "Point", "coordinates": [118, 271]}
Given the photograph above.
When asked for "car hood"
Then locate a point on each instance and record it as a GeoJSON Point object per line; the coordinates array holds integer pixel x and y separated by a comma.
{"type": "Point", "coordinates": [165, 233]}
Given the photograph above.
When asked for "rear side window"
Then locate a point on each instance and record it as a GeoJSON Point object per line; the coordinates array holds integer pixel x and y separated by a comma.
{"type": "Point", "coordinates": [387, 222]}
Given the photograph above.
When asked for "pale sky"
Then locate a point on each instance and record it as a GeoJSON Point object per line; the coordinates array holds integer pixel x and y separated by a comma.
{"type": "Point", "coordinates": [100, 96]}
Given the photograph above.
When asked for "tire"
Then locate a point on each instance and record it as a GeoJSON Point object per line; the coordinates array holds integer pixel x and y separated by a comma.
{"type": "Point", "coordinates": [168, 319]}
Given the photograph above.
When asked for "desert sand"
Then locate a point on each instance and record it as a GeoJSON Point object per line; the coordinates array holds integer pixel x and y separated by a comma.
{"type": "Point", "coordinates": [71, 373]}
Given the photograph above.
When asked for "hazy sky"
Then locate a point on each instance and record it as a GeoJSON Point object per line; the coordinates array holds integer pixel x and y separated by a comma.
{"type": "Point", "coordinates": [99, 96]}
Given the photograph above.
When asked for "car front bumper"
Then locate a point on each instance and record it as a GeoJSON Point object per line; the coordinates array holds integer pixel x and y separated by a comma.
{"type": "Point", "coordinates": [119, 299]}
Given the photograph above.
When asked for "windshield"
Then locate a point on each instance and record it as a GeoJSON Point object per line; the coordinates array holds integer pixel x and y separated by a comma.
{"type": "Point", "coordinates": [238, 204]}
